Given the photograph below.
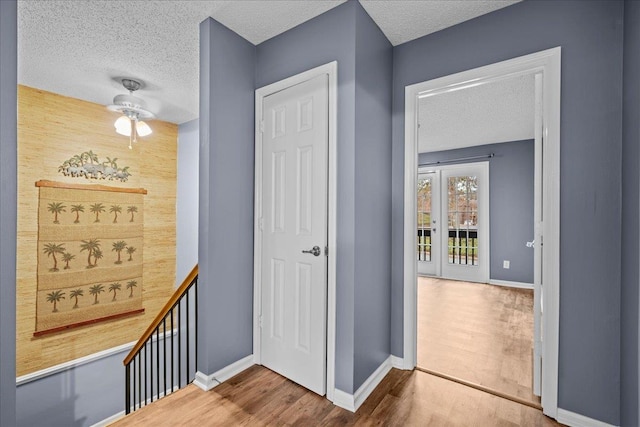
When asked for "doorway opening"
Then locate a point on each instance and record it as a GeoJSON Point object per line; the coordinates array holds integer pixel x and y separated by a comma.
{"type": "Point", "coordinates": [545, 66]}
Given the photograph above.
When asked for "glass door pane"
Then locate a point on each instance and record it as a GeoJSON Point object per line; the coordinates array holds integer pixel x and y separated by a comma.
{"type": "Point", "coordinates": [462, 215]}
{"type": "Point", "coordinates": [424, 217]}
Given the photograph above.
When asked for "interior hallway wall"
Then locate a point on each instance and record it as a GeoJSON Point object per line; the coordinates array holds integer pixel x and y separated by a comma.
{"type": "Point", "coordinates": [8, 220]}
{"type": "Point", "coordinates": [346, 34]}
{"type": "Point", "coordinates": [225, 246]}
{"type": "Point", "coordinates": [630, 403]}
{"type": "Point", "coordinates": [590, 34]}
{"type": "Point", "coordinates": [187, 199]}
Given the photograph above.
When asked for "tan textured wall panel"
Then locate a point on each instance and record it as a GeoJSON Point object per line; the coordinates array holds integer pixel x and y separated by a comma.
{"type": "Point", "coordinates": [51, 129]}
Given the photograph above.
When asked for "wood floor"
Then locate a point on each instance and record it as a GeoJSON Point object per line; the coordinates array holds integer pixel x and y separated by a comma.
{"type": "Point", "coordinates": [259, 397]}
{"type": "Point", "coordinates": [479, 333]}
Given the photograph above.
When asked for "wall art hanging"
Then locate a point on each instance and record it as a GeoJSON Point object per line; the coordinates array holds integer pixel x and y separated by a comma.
{"type": "Point", "coordinates": [90, 260]}
{"type": "Point", "coordinates": [88, 165]}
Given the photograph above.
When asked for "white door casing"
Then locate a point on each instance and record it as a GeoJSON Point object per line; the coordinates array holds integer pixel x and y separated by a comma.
{"type": "Point", "coordinates": [547, 63]}
{"type": "Point", "coordinates": [294, 219]}
{"type": "Point", "coordinates": [537, 241]}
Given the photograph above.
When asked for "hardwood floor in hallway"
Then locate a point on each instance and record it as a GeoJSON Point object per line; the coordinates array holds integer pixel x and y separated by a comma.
{"type": "Point", "coordinates": [260, 397]}
{"type": "Point", "coordinates": [479, 333]}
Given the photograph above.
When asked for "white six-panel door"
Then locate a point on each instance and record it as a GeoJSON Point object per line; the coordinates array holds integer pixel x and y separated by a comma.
{"type": "Point", "coordinates": [294, 233]}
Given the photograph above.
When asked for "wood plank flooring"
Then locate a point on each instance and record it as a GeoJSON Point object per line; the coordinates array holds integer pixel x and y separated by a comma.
{"type": "Point", "coordinates": [480, 333]}
{"type": "Point", "coordinates": [260, 397]}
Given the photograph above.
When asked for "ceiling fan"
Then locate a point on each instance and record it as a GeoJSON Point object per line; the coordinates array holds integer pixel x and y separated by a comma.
{"type": "Point", "coordinates": [133, 111]}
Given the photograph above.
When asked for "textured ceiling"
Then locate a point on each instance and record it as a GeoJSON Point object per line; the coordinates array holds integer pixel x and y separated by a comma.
{"type": "Point", "coordinates": [405, 20]}
{"type": "Point", "coordinates": [81, 48]}
{"type": "Point", "coordinates": [491, 113]}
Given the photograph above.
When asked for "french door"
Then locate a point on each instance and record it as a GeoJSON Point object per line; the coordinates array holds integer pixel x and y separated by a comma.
{"type": "Point", "coordinates": [453, 222]}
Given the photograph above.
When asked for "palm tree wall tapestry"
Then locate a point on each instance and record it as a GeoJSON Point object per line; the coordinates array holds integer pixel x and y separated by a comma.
{"type": "Point", "coordinates": [90, 260]}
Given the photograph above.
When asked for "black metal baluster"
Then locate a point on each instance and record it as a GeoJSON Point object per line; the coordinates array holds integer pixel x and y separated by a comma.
{"type": "Point", "coordinates": [146, 363]}
{"type": "Point", "coordinates": [151, 368]}
{"type": "Point", "coordinates": [139, 379]}
{"type": "Point", "coordinates": [133, 362]}
{"type": "Point", "coordinates": [172, 353]}
{"type": "Point", "coordinates": [179, 344]}
{"type": "Point", "coordinates": [158, 362]}
{"type": "Point", "coordinates": [127, 392]}
{"type": "Point", "coordinates": [188, 333]}
{"type": "Point", "coordinates": [164, 347]}
{"type": "Point", "coordinates": [195, 294]}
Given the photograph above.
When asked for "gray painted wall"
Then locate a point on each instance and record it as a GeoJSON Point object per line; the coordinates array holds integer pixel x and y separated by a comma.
{"type": "Point", "coordinates": [630, 403]}
{"type": "Point", "coordinates": [511, 203]}
{"type": "Point", "coordinates": [80, 396]}
{"type": "Point", "coordinates": [225, 248]}
{"type": "Point", "coordinates": [328, 37]}
{"type": "Point", "coordinates": [372, 308]}
{"type": "Point", "coordinates": [348, 35]}
{"type": "Point", "coordinates": [8, 195]}
{"type": "Point", "coordinates": [187, 199]}
{"type": "Point", "coordinates": [590, 34]}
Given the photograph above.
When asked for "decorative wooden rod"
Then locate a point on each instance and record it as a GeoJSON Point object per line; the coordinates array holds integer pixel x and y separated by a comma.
{"type": "Point", "coordinates": [94, 187]}
{"type": "Point", "coordinates": [182, 289]}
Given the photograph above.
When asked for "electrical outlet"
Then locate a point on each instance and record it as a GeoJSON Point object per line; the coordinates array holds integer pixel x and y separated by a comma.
{"type": "Point", "coordinates": [506, 264]}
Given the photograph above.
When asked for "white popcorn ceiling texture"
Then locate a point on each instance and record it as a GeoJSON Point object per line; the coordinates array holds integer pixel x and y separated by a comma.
{"type": "Point", "coordinates": [82, 48]}
{"type": "Point", "coordinates": [500, 111]}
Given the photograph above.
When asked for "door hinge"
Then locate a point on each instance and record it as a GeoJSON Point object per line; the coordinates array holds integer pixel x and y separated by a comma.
{"type": "Point", "coordinates": [260, 321]}
{"type": "Point", "coordinates": [326, 251]}
{"type": "Point", "coordinates": [261, 224]}
{"type": "Point", "coordinates": [261, 125]}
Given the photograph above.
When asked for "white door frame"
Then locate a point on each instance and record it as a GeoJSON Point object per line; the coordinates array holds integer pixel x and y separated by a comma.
{"type": "Point", "coordinates": [331, 70]}
{"type": "Point", "coordinates": [548, 64]}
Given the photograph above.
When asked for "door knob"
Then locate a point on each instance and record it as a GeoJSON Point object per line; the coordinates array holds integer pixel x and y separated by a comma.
{"type": "Point", "coordinates": [314, 251]}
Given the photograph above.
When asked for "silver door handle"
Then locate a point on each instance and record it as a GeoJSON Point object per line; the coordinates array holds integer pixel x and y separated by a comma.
{"type": "Point", "coordinates": [314, 251]}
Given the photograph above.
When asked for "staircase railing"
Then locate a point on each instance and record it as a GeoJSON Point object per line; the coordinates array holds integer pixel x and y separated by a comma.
{"type": "Point", "coordinates": [152, 373]}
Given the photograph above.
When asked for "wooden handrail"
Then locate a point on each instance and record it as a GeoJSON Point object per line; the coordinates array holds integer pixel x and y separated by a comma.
{"type": "Point", "coordinates": [162, 314]}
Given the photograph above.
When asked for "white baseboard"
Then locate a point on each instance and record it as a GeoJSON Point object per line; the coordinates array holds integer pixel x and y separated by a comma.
{"type": "Point", "coordinates": [576, 420]}
{"type": "Point", "coordinates": [111, 419]}
{"type": "Point", "coordinates": [207, 382]}
{"type": "Point", "coordinates": [351, 402]}
{"type": "Point", "coordinates": [397, 362]}
{"type": "Point", "coordinates": [509, 284]}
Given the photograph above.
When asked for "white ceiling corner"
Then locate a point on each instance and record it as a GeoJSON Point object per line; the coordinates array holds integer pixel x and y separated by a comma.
{"type": "Point", "coordinates": [79, 48]}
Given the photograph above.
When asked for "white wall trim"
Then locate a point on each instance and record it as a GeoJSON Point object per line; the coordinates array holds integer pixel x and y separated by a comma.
{"type": "Point", "coordinates": [398, 362]}
{"type": "Point", "coordinates": [351, 402]}
{"type": "Point", "coordinates": [24, 379]}
{"type": "Point", "coordinates": [90, 358]}
{"type": "Point", "coordinates": [576, 420]}
{"type": "Point", "coordinates": [547, 63]}
{"type": "Point", "coordinates": [331, 70]}
{"type": "Point", "coordinates": [207, 382]}
{"type": "Point", "coordinates": [112, 419]}
{"type": "Point", "coordinates": [510, 284]}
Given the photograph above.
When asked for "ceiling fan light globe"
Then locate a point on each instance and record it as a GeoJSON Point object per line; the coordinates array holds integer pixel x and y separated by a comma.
{"type": "Point", "coordinates": [123, 126]}
{"type": "Point", "coordinates": [143, 129]}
